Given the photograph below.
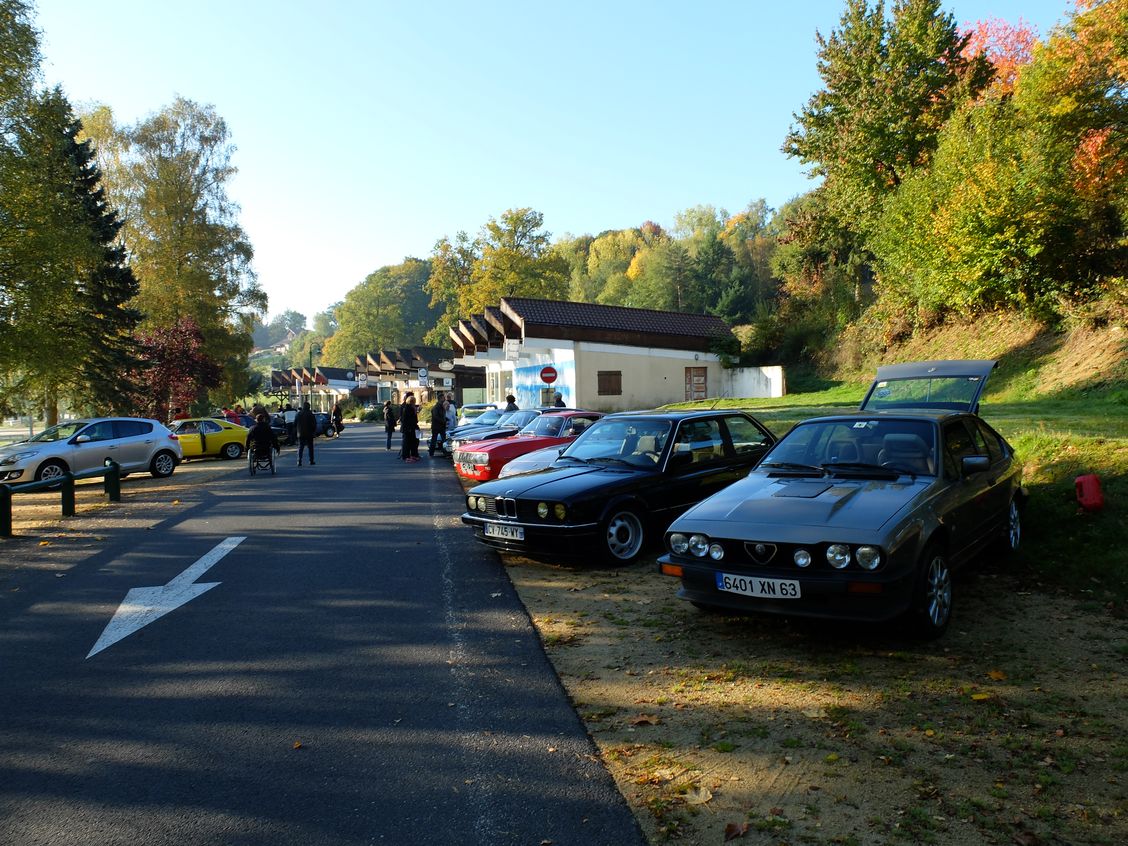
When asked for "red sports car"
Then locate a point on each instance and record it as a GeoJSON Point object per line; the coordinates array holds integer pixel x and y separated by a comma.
{"type": "Point", "coordinates": [482, 460]}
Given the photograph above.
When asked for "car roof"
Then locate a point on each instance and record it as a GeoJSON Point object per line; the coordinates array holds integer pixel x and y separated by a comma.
{"type": "Point", "coordinates": [935, 415]}
{"type": "Point", "coordinates": [674, 414]}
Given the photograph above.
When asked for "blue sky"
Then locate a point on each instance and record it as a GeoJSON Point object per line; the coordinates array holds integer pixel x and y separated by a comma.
{"type": "Point", "coordinates": [366, 131]}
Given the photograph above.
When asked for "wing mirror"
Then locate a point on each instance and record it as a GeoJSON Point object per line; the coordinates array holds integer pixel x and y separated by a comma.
{"type": "Point", "coordinates": [975, 464]}
{"type": "Point", "coordinates": [82, 439]}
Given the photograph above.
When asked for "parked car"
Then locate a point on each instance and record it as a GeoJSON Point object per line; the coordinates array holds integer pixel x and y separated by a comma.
{"type": "Point", "coordinates": [137, 444]}
{"type": "Point", "coordinates": [618, 484]}
{"type": "Point", "coordinates": [482, 460]}
{"type": "Point", "coordinates": [324, 423]}
{"type": "Point", "coordinates": [862, 516]}
{"type": "Point", "coordinates": [210, 437]}
{"type": "Point", "coordinates": [508, 424]}
{"type": "Point", "coordinates": [470, 412]}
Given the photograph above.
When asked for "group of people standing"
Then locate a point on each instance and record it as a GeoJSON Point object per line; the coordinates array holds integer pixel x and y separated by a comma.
{"type": "Point", "coordinates": [443, 417]}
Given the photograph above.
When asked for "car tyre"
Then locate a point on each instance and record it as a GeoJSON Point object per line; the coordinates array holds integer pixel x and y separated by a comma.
{"type": "Point", "coordinates": [162, 465]}
{"type": "Point", "coordinates": [232, 450]}
{"type": "Point", "coordinates": [51, 470]}
{"type": "Point", "coordinates": [931, 611]}
{"type": "Point", "coordinates": [623, 536]}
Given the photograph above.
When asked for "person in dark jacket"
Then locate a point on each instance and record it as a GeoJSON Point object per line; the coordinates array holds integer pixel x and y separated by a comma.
{"type": "Point", "coordinates": [262, 437]}
{"type": "Point", "coordinates": [389, 421]}
{"type": "Point", "coordinates": [510, 403]}
{"type": "Point", "coordinates": [338, 418]}
{"type": "Point", "coordinates": [409, 429]}
{"type": "Point", "coordinates": [438, 426]}
{"type": "Point", "coordinates": [559, 400]}
{"type": "Point", "coordinates": [306, 424]}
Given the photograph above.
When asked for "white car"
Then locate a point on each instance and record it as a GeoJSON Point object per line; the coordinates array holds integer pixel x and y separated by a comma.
{"type": "Point", "coordinates": [135, 443]}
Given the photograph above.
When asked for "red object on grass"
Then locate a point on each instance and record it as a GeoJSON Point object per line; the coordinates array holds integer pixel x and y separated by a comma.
{"type": "Point", "coordinates": [1089, 492]}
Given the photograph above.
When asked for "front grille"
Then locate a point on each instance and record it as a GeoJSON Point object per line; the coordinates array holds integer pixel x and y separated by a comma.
{"type": "Point", "coordinates": [506, 507]}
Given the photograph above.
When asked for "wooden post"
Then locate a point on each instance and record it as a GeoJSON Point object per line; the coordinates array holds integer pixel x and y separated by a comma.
{"type": "Point", "coordinates": [5, 511]}
{"type": "Point", "coordinates": [68, 495]}
{"type": "Point", "coordinates": [112, 481]}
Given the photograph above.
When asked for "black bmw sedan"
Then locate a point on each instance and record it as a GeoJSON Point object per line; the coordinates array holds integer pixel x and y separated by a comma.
{"type": "Point", "coordinates": [618, 485]}
{"type": "Point", "coordinates": [861, 516]}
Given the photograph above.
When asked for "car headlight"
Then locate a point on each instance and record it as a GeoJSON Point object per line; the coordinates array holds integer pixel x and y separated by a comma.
{"type": "Point", "coordinates": [482, 504]}
{"type": "Point", "coordinates": [679, 543]}
{"type": "Point", "coordinates": [480, 458]}
{"type": "Point", "coordinates": [716, 551]}
{"type": "Point", "coordinates": [698, 545]}
{"type": "Point", "coordinates": [560, 511]}
{"type": "Point", "coordinates": [472, 502]}
{"type": "Point", "coordinates": [19, 456]}
{"type": "Point", "coordinates": [838, 555]}
{"type": "Point", "coordinates": [802, 558]}
{"type": "Point", "coordinates": [868, 557]}
{"type": "Point", "coordinates": [542, 509]}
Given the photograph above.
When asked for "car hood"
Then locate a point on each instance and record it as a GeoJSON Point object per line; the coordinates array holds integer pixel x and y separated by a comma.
{"type": "Point", "coordinates": [20, 446]}
{"type": "Point", "coordinates": [490, 434]}
{"type": "Point", "coordinates": [560, 483]}
{"type": "Point", "coordinates": [525, 443]}
{"type": "Point", "coordinates": [832, 503]}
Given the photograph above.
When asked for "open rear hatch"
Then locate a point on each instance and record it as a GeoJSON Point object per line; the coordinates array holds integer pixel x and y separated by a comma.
{"type": "Point", "coordinates": [947, 385]}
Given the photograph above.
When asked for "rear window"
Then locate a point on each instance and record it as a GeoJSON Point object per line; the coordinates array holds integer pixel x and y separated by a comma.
{"type": "Point", "coordinates": [131, 428]}
{"type": "Point", "coordinates": [950, 392]}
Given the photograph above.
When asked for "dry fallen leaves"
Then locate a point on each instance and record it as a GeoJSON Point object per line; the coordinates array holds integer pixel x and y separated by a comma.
{"type": "Point", "coordinates": [997, 675]}
{"type": "Point", "coordinates": [698, 795]}
{"type": "Point", "coordinates": [645, 720]}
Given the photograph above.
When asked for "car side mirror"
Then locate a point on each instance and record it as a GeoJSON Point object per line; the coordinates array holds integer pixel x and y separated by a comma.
{"type": "Point", "coordinates": [82, 439]}
{"type": "Point", "coordinates": [975, 464]}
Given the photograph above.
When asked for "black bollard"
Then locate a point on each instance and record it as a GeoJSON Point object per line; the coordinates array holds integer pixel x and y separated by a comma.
{"type": "Point", "coordinates": [68, 495]}
{"type": "Point", "coordinates": [5, 511]}
{"type": "Point", "coordinates": [112, 481]}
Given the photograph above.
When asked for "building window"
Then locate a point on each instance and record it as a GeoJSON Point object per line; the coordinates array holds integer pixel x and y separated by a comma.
{"type": "Point", "coordinates": [610, 383]}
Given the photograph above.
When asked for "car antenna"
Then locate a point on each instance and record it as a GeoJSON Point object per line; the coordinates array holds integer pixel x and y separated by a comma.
{"type": "Point", "coordinates": [718, 399]}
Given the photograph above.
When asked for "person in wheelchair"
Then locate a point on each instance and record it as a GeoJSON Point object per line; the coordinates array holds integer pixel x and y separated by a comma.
{"type": "Point", "coordinates": [262, 443]}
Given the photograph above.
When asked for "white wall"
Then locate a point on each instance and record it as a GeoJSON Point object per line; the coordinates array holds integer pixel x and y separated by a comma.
{"type": "Point", "coordinates": [754, 382]}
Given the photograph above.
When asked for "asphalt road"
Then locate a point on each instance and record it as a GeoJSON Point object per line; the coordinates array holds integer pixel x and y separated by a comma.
{"type": "Point", "coordinates": [360, 672]}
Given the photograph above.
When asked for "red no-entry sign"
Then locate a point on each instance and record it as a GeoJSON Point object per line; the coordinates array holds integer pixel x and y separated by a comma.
{"type": "Point", "coordinates": [548, 375]}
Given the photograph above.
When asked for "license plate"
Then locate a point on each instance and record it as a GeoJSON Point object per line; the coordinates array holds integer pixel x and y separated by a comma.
{"type": "Point", "coordinates": [466, 469]}
{"type": "Point", "coordinates": [493, 530]}
{"type": "Point", "coordinates": [755, 586]}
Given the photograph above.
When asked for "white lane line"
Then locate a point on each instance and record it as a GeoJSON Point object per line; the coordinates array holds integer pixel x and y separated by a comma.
{"type": "Point", "coordinates": [143, 605]}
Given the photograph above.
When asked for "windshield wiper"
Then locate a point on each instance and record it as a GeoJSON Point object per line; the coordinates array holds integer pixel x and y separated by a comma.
{"type": "Point", "coordinates": [572, 458]}
{"type": "Point", "coordinates": [861, 467]}
{"type": "Point", "coordinates": [795, 467]}
{"type": "Point", "coordinates": [622, 461]}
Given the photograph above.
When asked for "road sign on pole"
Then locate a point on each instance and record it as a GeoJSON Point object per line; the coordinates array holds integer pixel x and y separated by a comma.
{"type": "Point", "coordinates": [548, 375]}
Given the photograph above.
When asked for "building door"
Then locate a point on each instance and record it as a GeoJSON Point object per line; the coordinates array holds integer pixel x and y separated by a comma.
{"type": "Point", "coordinates": [696, 387]}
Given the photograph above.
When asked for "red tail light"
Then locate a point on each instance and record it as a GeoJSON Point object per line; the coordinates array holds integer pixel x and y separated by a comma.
{"type": "Point", "coordinates": [172, 436]}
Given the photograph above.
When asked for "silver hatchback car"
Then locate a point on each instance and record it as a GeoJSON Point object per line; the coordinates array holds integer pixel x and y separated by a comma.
{"type": "Point", "coordinates": [135, 443]}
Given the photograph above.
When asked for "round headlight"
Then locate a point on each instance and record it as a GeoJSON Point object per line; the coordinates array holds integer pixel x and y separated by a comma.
{"type": "Point", "coordinates": [542, 509]}
{"type": "Point", "coordinates": [802, 558]}
{"type": "Point", "coordinates": [560, 511]}
{"type": "Point", "coordinates": [838, 555]}
{"type": "Point", "coordinates": [698, 545]}
{"type": "Point", "coordinates": [679, 543]}
{"type": "Point", "coordinates": [716, 551]}
{"type": "Point", "coordinates": [471, 502]}
{"type": "Point", "coordinates": [482, 504]}
{"type": "Point", "coordinates": [868, 557]}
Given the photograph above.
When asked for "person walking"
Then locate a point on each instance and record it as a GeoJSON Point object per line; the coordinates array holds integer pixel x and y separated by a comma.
{"type": "Point", "coordinates": [389, 421]}
{"type": "Point", "coordinates": [306, 425]}
{"type": "Point", "coordinates": [559, 400]}
{"type": "Point", "coordinates": [338, 418]}
{"type": "Point", "coordinates": [438, 426]}
{"type": "Point", "coordinates": [511, 403]}
{"type": "Point", "coordinates": [451, 413]}
{"type": "Point", "coordinates": [409, 429]}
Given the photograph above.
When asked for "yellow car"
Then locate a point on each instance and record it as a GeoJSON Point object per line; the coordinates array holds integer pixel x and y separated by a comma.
{"type": "Point", "coordinates": [203, 437]}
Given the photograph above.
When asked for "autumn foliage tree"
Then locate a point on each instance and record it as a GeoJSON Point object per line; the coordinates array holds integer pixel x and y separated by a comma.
{"type": "Point", "coordinates": [175, 369]}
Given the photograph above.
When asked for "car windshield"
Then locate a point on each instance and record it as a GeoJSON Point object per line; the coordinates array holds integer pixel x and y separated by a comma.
{"type": "Point", "coordinates": [61, 432]}
{"type": "Point", "coordinates": [952, 392]}
{"type": "Point", "coordinates": [856, 446]}
{"type": "Point", "coordinates": [518, 418]}
{"type": "Point", "coordinates": [546, 426]}
{"type": "Point", "coordinates": [635, 442]}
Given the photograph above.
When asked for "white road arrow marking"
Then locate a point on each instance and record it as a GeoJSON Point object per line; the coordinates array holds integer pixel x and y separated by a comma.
{"type": "Point", "coordinates": [142, 606]}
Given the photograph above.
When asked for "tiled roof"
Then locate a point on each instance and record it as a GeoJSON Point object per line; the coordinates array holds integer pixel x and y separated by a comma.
{"type": "Point", "coordinates": [616, 318]}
